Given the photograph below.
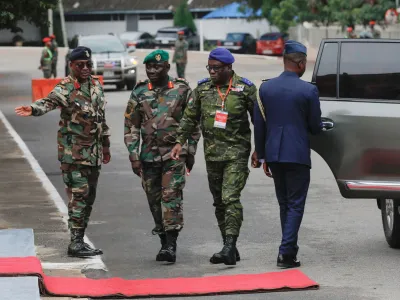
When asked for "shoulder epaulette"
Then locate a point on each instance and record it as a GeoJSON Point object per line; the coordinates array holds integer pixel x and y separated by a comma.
{"type": "Point", "coordinates": [203, 80]}
{"type": "Point", "coordinates": [246, 81]}
{"type": "Point", "coordinates": [265, 80]}
{"type": "Point", "coordinates": [183, 80]}
{"type": "Point", "coordinates": [66, 80]}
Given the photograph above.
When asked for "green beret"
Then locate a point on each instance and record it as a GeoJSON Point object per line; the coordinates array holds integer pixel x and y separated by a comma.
{"type": "Point", "coordinates": [157, 56]}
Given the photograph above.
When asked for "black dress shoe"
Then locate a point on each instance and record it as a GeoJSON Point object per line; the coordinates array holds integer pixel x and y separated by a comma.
{"type": "Point", "coordinates": [287, 261]}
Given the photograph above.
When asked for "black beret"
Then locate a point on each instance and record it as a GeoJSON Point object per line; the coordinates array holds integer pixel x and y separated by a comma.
{"type": "Point", "coordinates": [80, 53]}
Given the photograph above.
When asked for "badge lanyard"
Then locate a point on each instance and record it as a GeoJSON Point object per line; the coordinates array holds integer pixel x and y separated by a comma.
{"type": "Point", "coordinates": [223, 97]}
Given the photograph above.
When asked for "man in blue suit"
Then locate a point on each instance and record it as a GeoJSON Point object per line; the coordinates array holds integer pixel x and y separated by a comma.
{"type": "Point", "coordinates": [288, 110]}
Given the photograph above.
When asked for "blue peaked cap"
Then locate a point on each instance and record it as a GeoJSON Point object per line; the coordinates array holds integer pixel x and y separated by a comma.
{"type": "Point", "coordinates": [294, 47]}
{"type": "Point", "coordinates": [223, 55]}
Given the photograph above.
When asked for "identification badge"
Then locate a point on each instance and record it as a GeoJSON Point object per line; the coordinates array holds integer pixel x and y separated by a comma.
{"type": "Point", "coordinates": [221, 117]}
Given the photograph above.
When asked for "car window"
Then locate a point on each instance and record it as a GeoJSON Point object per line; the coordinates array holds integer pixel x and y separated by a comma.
{"type": "Point", "coordinates": [167, 34]}
{"type": "Point", "coordinates": [327, 71]}
{"type": "Point", "coordinates": [234, 37]}
{"type": "Point", "coordinates": [270, 37]}
{"type": "Point", "coordinates": [102, 44]}
{"type": "Point", "coordinates": [370, 71]}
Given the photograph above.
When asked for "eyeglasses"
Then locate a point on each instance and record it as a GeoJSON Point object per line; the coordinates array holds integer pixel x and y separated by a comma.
{"type": "Point", "coordinates": [81, 65]}
{"type": "Point", "coordinates": [215, 68]}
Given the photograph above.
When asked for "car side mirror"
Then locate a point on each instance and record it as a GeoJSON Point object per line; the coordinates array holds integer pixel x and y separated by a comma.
{"type": "Point", "coordinates": [131, 49]}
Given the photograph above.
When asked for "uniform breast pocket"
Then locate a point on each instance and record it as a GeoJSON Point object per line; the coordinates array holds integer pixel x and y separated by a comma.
{"type": "Point", "coordinates": [83, 112]}
{"type": "Point", "coordinates": [236, 104]}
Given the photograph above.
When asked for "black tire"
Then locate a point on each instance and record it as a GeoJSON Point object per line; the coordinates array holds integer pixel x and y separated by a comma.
{"type": "Point", "coordinates": [391, 221]}
{"type": "Point", "coordinates": [130, 85]}
{"type": "Point", "coordinates": [120, 86]}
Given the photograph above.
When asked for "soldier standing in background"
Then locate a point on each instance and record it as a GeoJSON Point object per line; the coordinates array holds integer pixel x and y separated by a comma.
{"type": "Point", "coordinates": [350, 34]}
{"type": "Point", "coordinates": [154, 111]}
{"type": "Point", "coordinates": [375, 33]}
{"type": "Point", "coordinates": [83, 142]}
{"type": "Point", "coordinates": [180, 54]}
{"type": "Point", "coordinates": [221, 104]}
{"type": "Point", "coordinates": [46, 58]}
{"type": "Point", "coordinates": [54, 50]}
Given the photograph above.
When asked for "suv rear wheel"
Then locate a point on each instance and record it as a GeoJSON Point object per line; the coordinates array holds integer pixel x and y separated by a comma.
{"type": "Point", "coordinates": [130, 85]}
{"type": "Point", "coordinates": [390, 210]}
{"type": "Point", "coordinates": [120, 86]}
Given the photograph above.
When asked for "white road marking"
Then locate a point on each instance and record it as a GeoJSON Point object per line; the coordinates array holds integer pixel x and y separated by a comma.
{"type": "Point", "coordinates": [92, 263]}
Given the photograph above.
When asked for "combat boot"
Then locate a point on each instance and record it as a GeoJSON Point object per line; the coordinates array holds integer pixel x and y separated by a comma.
{"type": "Point", "coordinates": [169, 253]}
{"type": "Point", "coordinates": [78, 248]}
{"type": "Point", "coordinates": [228, 252]}
{"type": "Point", "coordinates": [217, 257]}
{"type": "Point", "coordinates": [163, 239]}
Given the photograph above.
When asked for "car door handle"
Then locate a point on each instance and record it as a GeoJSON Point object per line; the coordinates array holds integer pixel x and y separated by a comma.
{"type": "Point", "coordinates": [327, 124]}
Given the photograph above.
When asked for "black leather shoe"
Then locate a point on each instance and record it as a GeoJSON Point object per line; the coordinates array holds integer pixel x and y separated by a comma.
{"type": "Point", "coordinates": [287, 261]}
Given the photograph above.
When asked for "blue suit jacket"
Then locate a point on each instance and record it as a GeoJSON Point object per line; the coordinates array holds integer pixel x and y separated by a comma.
{"type": "Point", "coordinates": [292, 110]}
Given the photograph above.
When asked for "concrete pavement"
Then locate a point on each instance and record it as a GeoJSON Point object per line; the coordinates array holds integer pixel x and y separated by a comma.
{"type": "Point", "coordinates": [341, 241]}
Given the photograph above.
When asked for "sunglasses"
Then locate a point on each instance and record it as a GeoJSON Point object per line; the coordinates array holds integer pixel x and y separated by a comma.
{"type": "Point", "coordinates": [82, 65]}
{"type": "Point", "coordinates": [215, 68]}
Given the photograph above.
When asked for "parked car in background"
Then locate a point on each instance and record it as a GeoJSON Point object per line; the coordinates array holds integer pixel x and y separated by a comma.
{"type": "Point", "coordinates": [111, 59]}
{"type": "Point", "coordinates": [167, 36]}
{"type": "Point", "coordinates": [137, 39]}
{"type": "Point", "coordinates": [271, 43]}
{"type": "Point", "coordinates": [239, 42]}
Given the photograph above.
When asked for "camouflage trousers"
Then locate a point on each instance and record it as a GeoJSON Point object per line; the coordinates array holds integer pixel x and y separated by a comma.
{"type": "Point", "coordinates": [163, 183]}
{"type": "Point", "coordinates": [180, 70]}
{"type": "Point", "coordinates": [226, 180]}
{"type": "Point", "coordinates": [80, 185]}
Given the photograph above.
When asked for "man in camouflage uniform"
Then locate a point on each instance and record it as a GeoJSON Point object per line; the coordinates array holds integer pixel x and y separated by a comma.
{"type": "Point", "coordinates": [54, 51]}
{"type": "Point", "coordinates": [180, 54]}
{"type": "Point", "coordinates": [221, 103]}
{"type": "Point", "coordinates": [154, 111]}
{"type": "Point", "coordinates": [83, 141]}
{"type": "Point", "coordinates": [46, 58]}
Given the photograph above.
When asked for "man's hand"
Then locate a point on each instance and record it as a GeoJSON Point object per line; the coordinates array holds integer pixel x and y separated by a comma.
{"type": "Point", "coordinates": [137, 167]}
{"type": "Point", "coordinates": [266, 170]}
{"type": "Point", "coordinates": [254, 160]}
{"type": "Point", "coordinates": [176, 152]}
{"type": "Point", "coordinates": [189, 162]}
{"type": "Point", "coordinates": [106, 155]}
{"type": "Point", "coordinates": [24, 111]}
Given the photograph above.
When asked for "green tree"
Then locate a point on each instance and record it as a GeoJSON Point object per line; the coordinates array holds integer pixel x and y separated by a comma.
{"type": "Point", "coordinates": [183, 16]}
{"type": "Point", "coordinates": [286, 13]}
{"type": "Point", "coordinates": [33, 11]}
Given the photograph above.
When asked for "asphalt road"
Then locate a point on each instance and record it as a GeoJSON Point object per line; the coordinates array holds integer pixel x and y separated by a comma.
{"type": "Point", "coordinates": [342, 244]}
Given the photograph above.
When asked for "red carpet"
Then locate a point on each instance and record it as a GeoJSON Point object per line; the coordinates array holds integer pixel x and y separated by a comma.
{"type": "Point", "coordinates": [118, 287]}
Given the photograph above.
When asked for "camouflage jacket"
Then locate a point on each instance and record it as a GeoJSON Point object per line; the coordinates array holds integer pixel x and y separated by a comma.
{"type": "Point", "coordinates": [233, 142]}
{"type": "Point", "coordinates": [154, 115]}
{"type": "Point", "coordinates": [83, 130]}
{"type": "Point", "coordinates": [181, 48]}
